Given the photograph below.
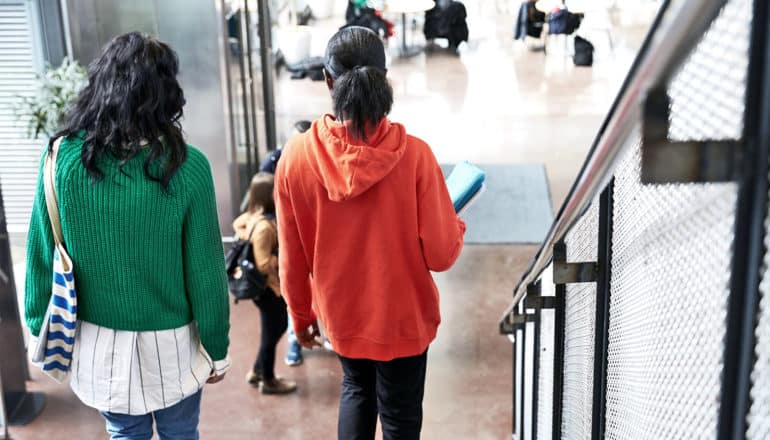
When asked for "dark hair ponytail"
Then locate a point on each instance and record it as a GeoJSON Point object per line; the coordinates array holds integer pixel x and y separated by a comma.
{"type": "Point", "coordinates": [363, 97]}
{"type": "Point", "coordinates": [355, 60]}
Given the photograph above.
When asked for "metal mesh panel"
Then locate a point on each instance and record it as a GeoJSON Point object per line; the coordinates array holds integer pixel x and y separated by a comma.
{"type": "Point", "coordinates": [672, 249]}
{"type": "Point", "coordinates": [519, 380]}
{"type": "Point", "coordinates": [529, 380]}
{"type": "Point", "coordinates": [759, 413]}
{"type": "Point", "coordinates": [545, 377]}
{"type": "Point", "coordinates": [579, 333]}
{"type": "Point", "coordinates": [668, 298]}
{"type": "Point", "coordinates": [708, 93]}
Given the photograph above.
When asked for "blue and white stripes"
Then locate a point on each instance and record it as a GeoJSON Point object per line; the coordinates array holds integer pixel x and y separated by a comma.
{"type": "Point", "coordinates": [57, 336]}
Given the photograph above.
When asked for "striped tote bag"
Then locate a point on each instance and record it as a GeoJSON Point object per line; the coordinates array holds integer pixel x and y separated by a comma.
{"type": "Point", "coordinates": [57, 335]}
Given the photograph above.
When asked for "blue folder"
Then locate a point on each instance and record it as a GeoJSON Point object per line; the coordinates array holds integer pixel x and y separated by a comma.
{"type": "Point", "coordinates": [464, 183]}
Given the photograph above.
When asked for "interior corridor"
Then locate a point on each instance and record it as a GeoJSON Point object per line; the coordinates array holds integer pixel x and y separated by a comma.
{"type": "Point", "coordinates": [497, 103]}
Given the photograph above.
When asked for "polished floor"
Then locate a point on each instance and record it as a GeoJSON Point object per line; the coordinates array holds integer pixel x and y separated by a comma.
{"type": "Point", "coordinates": [496, 103]}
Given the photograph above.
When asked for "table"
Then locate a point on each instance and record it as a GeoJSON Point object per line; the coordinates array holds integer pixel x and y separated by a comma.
{"type": "Point", "coordinates": [405, 7]}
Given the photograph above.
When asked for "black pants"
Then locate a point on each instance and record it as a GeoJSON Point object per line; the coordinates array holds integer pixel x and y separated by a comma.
{"type": "Point", "coordinates": [392, 389]}
{"type": "Point", "coordinates": [272, 311]}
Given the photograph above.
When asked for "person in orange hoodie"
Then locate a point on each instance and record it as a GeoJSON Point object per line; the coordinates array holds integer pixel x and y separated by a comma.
{"type": "Point", "coordinates": [364, 216]}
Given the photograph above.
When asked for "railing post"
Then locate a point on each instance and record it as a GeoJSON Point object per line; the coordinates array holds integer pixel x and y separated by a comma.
{"type": "Point", "coordinates": [523, 374]}
{"type": "Point", "coordinates": [559, 255]}
{"type": "Point", "coordinates": [516, 338]}
{"type": "Point", "coordinates": [513, 383]}
{"type": "Point", "coordinates": [743, 302]}
{"type": "Point", "coordinates": [535, 293]}
{"type": "Point", "coordinates": [602, 321]}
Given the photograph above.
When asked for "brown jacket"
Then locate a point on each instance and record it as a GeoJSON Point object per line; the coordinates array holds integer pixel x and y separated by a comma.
{"type": "Point", "coordinates": [264, 242]}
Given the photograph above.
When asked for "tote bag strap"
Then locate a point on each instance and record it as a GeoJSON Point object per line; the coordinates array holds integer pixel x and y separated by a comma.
{"type": "Point", "coordinates": [51, 199]}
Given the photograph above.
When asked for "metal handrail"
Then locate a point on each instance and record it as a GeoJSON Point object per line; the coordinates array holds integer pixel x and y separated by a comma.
{"type": "Point", "coordinates": [678, 27]}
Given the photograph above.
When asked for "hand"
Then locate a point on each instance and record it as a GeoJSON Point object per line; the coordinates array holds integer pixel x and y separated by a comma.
{"type": "Point", "coordinates": [310, 337]}
{"type": "Point", "coordinates": [216, 378]}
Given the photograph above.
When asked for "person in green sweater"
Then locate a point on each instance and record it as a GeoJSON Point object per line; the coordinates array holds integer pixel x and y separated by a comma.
{"type": "Point", "coordinates": [139, 219]}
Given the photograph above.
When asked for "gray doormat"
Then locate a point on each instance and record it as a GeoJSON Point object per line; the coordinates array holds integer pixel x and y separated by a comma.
{"type": "Point", "coordinates": [514, 209]}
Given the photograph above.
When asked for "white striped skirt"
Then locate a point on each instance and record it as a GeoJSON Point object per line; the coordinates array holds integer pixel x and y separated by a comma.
{"type": "Point", "coordinates": [136, 373]}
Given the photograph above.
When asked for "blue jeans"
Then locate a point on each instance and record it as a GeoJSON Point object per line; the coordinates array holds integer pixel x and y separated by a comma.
{"type": "Point", "coordinates": [178, 422]}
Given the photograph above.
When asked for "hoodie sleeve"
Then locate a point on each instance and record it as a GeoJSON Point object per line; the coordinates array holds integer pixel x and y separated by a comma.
{"type": "Point", "coordinates": [441, 230]}
{"type": "Point", "coordinates": [292, 266]}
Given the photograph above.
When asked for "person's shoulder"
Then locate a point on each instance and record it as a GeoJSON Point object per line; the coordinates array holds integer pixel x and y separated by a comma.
{"type": "Point", "coordinates": [418, 150]}
{"type": "Point", "coordinates": [292, 154]}
{"type": "Point", "coordinates": [264, 225]}
{"type": "Point", "coordinates": [417, 144]}
{"type": "Point", "coordinates": [68, 159]}
{"type": "Point", "coordinates": [70, 148]}
{"type": "Point", "coordinates": [196, 163]}
{"type": "Point", "coordinates": [295, 145]}
{"type": "Point", "coordinates": [195, 172]}
{"type": "Point", "coordinates": [196, 157]}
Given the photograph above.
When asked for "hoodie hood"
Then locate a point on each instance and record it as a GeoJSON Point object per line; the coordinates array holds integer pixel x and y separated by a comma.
{"type": "Point", "coordinates": [348, 167]}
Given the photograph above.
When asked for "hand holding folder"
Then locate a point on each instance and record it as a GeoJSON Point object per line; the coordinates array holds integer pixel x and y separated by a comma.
{"type": "Point", "coordinates": [465, 184]}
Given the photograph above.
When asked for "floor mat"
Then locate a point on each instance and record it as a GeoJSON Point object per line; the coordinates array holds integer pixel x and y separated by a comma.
{"type": "Point", "coordinates": [514, 209]}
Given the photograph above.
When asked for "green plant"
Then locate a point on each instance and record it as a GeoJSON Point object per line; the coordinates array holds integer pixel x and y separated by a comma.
{"type": "Point", "coordinates": [57, 89]}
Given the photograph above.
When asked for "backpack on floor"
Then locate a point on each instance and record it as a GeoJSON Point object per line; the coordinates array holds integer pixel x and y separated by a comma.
{"type": "Point", "coordinates": [584, 52]}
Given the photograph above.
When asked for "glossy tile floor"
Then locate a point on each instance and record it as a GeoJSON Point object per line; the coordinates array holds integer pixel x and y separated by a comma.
{"type": "Point", "coordinates": [495, 103]}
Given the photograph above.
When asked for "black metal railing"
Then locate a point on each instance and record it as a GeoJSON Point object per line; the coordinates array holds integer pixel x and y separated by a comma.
{"type": "Point", "coordinates": [652, 276]}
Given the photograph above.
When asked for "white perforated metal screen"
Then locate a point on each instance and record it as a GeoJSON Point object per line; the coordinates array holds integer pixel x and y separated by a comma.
{"type": "Point", "coordinates": [759, 413]}
{"type": "Point", "coordinates": [545, 358]}
{"type": "Point", "coordinates": [518, 381]}
{"type": "Point", "coordinates": [579, 331]}
{"type": "Point", "coordinates": [529, 380]}
{"type": "Point", "coordinates": [708, 93]}
{"type": "Point", "coordinates": [668, 298]}
{"type": "Point", "coordinates": [545, 376]}
{"type": "Point", "coordinates": [672, 250]}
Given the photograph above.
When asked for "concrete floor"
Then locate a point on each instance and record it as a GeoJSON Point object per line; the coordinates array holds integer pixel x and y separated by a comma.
{"type": "Point", "coordinates": [496, 103]}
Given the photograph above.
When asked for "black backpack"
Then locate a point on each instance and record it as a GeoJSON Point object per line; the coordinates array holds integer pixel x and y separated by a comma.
{"type": "Point", "coordinates": [584, 52]}
{"type": "Point", "coordinates": [244, 280]}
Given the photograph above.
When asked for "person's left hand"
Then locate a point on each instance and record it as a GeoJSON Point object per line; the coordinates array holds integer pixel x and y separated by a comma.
{"type": "Point", "coordinates": [310, 337]}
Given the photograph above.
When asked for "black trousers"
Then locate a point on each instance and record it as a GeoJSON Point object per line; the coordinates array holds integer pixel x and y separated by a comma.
{"type": "Point", "coordinates": [392, 389]}
{"type": "Point", "coordinates": [274, 319]}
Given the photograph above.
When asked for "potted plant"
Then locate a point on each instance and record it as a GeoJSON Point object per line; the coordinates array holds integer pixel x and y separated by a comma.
{"type": "Point", "coordinates": [57, 89]}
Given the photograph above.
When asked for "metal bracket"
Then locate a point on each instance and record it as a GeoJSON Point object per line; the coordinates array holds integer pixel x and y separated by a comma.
{"type": "Point", "coordinates": [514, 321]}
{"type": "Point", "coordinates": [570, 273]}
{"type": "Point", "coordinates": [540, 302]}
{"type": "Point", "coordinates": [535, 300]}
{"type": "Point", "coordinates": [507, 327]}
{"type": "Point", "coordinates": [666, 161]}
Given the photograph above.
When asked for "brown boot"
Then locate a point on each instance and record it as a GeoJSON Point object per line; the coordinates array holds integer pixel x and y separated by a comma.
{"type": "Point", "coordinates": [277, 386]}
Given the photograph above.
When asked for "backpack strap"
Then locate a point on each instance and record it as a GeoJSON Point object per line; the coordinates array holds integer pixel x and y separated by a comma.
{"type": "Point", "coordinates": [253, 228]}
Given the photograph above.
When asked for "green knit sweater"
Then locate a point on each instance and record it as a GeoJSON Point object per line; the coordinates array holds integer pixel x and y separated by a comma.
{"type": "Point", "coordinates": [144, 258]}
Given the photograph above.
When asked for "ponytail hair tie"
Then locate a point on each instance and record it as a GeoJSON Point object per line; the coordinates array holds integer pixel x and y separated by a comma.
{"type": "Point", "coordinates": [364, 66]}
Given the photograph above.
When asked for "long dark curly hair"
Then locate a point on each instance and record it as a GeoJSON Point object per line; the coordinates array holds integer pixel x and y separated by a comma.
{"type": "Point", "coordinates": [132, 101]}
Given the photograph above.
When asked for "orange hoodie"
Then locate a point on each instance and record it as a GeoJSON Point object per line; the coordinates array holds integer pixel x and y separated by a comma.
{"type": "Point", "coordinates": [361, 225]}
